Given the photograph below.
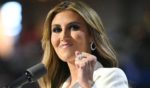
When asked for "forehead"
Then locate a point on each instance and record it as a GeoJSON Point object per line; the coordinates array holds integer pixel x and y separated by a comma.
{"type": "Point", "coordinates": [67, 16]}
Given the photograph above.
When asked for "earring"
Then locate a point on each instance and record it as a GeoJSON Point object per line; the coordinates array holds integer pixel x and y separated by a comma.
{"type": "Point", "coordinates": [93, 47]}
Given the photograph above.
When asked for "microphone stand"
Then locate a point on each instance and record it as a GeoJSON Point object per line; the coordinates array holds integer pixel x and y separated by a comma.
{"type": "Point", "coordinates": [30, 75]}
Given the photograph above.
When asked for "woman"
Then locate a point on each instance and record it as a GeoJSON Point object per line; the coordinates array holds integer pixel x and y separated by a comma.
{"type": "Point", "coordinates": [77, 53]}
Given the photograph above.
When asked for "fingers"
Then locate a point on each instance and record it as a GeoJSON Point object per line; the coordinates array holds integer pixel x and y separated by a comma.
{"type": "Point", "coordinates": [85, 64]}
{"type": "Point", "coordinates": [85, 59]}
{"type": "Point", "coordinates": [82, 56]}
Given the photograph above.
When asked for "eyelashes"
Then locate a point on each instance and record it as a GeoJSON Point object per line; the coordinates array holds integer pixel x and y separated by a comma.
{"type": "Point", "coordinates": [71, 27]}
{"type": "Point", "coordinates": [74, 27]}
{"type": "Point", "coordinates": [57, 29]}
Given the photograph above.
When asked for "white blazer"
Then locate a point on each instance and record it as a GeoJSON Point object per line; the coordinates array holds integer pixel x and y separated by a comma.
{"type": "Point", "coordinates": [105, 78]}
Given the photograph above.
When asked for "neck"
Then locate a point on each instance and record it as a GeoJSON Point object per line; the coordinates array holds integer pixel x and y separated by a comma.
{"type": "Point", "coordinates": [73, 72]}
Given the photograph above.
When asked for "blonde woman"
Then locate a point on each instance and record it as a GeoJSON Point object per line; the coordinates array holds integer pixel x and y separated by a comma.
{"type": "Point", "coordinates": [77, 53]}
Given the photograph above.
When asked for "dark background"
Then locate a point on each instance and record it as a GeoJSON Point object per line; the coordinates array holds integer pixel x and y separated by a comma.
{"type": "Point", "coordinates": [127, 23]}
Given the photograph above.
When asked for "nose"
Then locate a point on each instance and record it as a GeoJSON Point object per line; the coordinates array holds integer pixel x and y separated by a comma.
{"type": "Point", "coordinates": [65, 35]}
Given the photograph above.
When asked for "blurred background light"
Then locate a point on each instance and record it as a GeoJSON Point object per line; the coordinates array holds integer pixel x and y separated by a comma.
{"type": "Point", "coordinates": [11, 18]}
{"type": "Point", "coordinates": [10, 26]}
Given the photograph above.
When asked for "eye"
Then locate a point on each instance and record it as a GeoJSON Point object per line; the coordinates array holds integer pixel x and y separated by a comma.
{"type": "Point", "coordinates": [74, 27]}
{"type": "Point", "coordinates": [57, 29]}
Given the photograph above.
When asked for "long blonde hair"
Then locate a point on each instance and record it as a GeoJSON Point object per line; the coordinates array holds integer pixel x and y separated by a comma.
{"type": "Point", "coordinates": [58, 70]}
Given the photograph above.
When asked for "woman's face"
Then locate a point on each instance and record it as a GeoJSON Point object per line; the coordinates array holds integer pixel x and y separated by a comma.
{"type": "Point", "coordinates": [69, 34]}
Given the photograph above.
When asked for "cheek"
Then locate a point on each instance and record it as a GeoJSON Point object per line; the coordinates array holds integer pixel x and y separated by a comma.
{"type": "Point", "coordinates": [81, 38]}
{"type": "Point", "coordinates": [83, 41]}
{"type": "Point", "coordinates": [54, 41]}
{"type": "Point", "coordinates": [77, 36]}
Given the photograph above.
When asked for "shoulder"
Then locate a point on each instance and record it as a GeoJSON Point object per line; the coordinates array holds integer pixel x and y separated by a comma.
{"type": "Point", "coordinates": [110, 77]}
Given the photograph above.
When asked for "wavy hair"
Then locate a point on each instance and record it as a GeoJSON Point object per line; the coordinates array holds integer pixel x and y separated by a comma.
{"type": "Point", "coordinates": [58, 70]}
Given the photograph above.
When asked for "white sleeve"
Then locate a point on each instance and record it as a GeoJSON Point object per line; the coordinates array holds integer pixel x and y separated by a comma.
{"type": "Point", "coordinates": [110, 78]}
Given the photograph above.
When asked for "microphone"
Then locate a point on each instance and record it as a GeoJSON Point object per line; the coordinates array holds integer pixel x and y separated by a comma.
{"type": "Point", "coordinates": [31, 75]}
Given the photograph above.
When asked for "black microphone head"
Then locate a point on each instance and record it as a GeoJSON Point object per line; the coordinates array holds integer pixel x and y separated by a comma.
{"type": "Point", "coordinates": [36, 72]}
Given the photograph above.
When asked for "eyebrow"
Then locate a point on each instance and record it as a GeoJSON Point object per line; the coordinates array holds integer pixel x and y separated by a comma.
{"type": "Point", "coordinates": [73, 23]}
{"type": "Point", "coordinates": [57, 25]}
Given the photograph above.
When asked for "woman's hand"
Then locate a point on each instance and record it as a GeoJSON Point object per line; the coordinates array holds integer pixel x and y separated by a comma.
{"type": "Point", "coordinates": [85, 63]}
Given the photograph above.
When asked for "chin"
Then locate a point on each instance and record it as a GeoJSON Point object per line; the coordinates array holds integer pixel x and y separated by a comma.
{"type": "Point", "coordinates": [66, 55]}
{"type": "Point", "coordinates": [67, 58]}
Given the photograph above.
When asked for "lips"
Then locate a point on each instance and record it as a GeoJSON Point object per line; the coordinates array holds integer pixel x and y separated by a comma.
{"type": "Point", "coordinates": [65, 45]}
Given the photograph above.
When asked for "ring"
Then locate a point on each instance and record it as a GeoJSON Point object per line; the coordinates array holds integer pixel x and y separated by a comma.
{"type": "Point", "coordinates": [80, 57]}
